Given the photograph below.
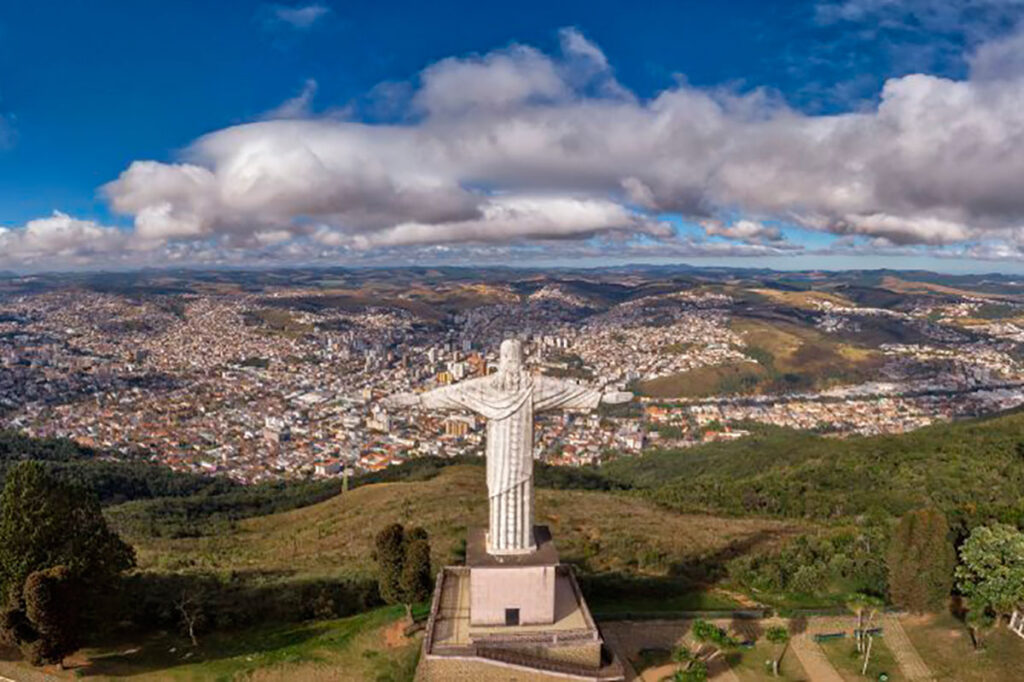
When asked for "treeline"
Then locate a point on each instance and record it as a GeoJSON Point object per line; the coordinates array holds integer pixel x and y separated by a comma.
{"type": "Point", "coordinates": [162, 601]}
{"type": "Point", "coordinates": [973, 471]}
{"type": "Point", "coordinates": [111, 481]}
{"type": "Point", "coordinates": [214, 510]}
{"type": "Point", "coordinates": [145, 498]}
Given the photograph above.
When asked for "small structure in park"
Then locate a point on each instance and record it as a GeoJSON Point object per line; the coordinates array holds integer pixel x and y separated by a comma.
{"type": "Point", "coordinates": [1017, 621]}
{"type": "Point", "coordinates": [513, 611]}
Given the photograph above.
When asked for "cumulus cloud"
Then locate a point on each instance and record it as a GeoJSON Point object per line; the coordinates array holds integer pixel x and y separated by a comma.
{"type": "Point", "coordinates": [506, 219]}
{"type": "Point", "coordinates": [299, 17]}
{"type": "Point", "coordinates": [938, 161]}
{"type": "Point", "coordinates": [299, 106]}
{"type": "Point", "coordinates": [750, 231]}
{"type": "Point", "coordinates": [516, 145]}
{"type": "Point", "coordinates": [60, 237]}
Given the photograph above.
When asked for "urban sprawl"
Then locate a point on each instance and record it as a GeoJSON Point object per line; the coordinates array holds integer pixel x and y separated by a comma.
{"type": "Point", "coordinates": [253, 388]}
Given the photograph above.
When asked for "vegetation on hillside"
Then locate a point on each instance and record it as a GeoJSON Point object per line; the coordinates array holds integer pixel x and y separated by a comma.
{"type": "Point", "coordinates": [921, 559]}
{"type": "Point", "coordinates": [58, 559]}
{"type": "Point", "coordinates": [973, 471]}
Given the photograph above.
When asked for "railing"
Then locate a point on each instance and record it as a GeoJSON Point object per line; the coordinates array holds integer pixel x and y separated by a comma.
{"type": "Point", "coordinates": [558, 667]}
{"type": "Point", "coordinates": [561, 637]}
{"type": "Point", "coordinates": [435, 605]}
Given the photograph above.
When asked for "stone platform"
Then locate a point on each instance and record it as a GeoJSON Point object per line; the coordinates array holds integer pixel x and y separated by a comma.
{"type": "Point", "coordinates": [569, 648]}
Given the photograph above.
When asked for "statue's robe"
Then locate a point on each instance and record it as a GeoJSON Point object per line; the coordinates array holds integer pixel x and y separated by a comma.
{"type": "Point", "coordinates": [509, 417]}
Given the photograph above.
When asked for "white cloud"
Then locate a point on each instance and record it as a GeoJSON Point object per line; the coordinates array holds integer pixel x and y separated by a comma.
{"type": "Point", "coordinates": [300, 17]}
{"type": "Point", "coordinates": [938, 161]}
{"type": "Point", "coordinates": [516, 146]}
{"type": "Point", "coordinates": [750, 231]}
{"type": "Point", "coordinates": [508, 219]}
{"type": "Point", "coordinates": [500, 80]}
{"type": "Point", "coordinates": [299, 106]}
{"type": "Point", "coordinates": [59, 237]}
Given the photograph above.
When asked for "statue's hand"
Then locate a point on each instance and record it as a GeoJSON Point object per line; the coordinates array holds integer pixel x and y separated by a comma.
{"type": "Point", "coordinates": [616, 397]}
{"type": "Point", "coordinates": [402, 400]}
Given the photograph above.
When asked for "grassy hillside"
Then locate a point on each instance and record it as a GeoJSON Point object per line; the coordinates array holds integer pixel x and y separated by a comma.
{"type": "Point", "coordinates": [600, 531]}
{"type": "Point", "coordinates": [785, 353]}
{"type": "Point", "coordinates": [973, 470]}
{"type": "Point", "coordinates": [368, 646]}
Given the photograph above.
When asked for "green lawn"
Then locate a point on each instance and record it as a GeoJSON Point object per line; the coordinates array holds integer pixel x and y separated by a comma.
{"type": "Point", "coordinates": [945, 645]}
{"type": "Point", "coordinates": [752, 665]}
{"type": "Point", "coordinates": [843, 655]}
{"type": "Point", "coordinates": [610, 607]}
{"type": "Point", "coordinates": [364, 647]}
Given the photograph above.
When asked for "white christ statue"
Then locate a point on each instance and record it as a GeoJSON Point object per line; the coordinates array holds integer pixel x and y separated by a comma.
{"type": "Point", "coordinates": [508, 399]}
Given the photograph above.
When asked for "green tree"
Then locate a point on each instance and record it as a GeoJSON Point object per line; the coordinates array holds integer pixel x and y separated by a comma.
{"type": "Point", "coordinates": [57, 556]}
{"type": "Point", "coordinates": [921, 560]}
{"type": "Point", "coordinates": [697, 671]}
{"type": "Point", "coordinates": [715, 638]}
{"type": "Point", "coordinates": [779, 637]}
{"type": "Point", "coordinates": [991, 570]}
{"type": "Point", "coordinates": [45, 523]}
{"type": "Point", "coordinates": [416, 581]}
{"type": "Point", "coordinates": [390, 546]}
{"type": "Point", "coordinates": [978, 620]}
{"type": "Point", "coordinates": [865, 606]}
{"type": "Point", "coordinates": [43, 621]}
{"type": "Point", "coordinates": [403, 560]}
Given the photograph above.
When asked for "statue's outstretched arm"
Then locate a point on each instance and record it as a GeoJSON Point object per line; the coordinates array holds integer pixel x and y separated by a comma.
{"type": "Point", "coordinates": [616, 397]}
{"type": "Point", "coordinates": [551, 393]}
{"type": "Point", "coordinates": [444, 398]}
{"type": "Point", "coordinates": [399, 400]}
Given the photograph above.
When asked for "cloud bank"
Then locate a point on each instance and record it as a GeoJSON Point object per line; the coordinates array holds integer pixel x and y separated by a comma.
{"type": "Point", "coordinates": [516, 146]}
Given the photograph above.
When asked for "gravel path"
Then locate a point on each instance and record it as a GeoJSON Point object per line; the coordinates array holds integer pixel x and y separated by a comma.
{"type": "Point", "coordinates": [814, 661]}
{"type": "Point", "coordinates": [910, 662]}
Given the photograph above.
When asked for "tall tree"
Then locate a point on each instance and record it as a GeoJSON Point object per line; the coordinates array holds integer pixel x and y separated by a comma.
{"type": "Point", "coordinates": [921, 560]}
{"type": "Point", "coordinates": [403, 566]}
{"type": "Point", "coordinates": [45, 523]}
{"type": "Point", "coordinates": [50, 607]}
{"type": "Point", "coordinates": [43, 621]}
{"type": "Point", "coordinates": [390, 546]}
{"type": "Point", "coordinates": [978, 620]}
{"type": "Point", "coordinates": [56, 556]}
{"type": "Point", "coordinates": [991, 570]}
{"type": "Point", "coordinates": [416, 581]}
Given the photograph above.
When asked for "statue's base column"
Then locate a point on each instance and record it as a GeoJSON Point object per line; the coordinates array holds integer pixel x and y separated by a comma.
{"type": "Point", "coordinates": [503, 616]}
{"type": "Point", "coordinates": [511, 529]}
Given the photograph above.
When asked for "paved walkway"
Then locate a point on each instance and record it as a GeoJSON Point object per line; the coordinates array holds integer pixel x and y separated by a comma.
{"type": "Point", "coordinates": [813, 659]}
{"type": "Point", "coordinates": [910, 662]}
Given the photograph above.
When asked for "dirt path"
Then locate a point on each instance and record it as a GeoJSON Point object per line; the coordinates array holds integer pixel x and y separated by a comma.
{"type": "Point", "coordinates": [910, 662]}
{"type": "Point", "coordinates": [814, 661]}
{"type": "Point", "coordinates": [9, 672]}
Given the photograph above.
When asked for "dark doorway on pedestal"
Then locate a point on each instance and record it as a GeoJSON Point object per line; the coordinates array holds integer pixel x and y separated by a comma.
{"type": "Point", "coordinates": [511, 616]}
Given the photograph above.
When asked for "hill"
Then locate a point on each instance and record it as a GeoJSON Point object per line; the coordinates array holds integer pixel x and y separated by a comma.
{"type": "Point", "coordinates": [608, 535]}
{"type": "Point", "coordinates": [603, 531]}
{"type": "Point", "coordinates": [973, 470]}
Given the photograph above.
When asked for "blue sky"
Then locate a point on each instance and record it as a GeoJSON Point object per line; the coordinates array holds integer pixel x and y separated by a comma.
{"type": "Point", "coordinates": [297, 101]}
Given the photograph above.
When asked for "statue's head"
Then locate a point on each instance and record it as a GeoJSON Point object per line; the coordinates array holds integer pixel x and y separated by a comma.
{"type": "Point", "coordinates": [511, 356]}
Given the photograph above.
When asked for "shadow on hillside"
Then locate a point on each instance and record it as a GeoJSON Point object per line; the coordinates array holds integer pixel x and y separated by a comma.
{"type": "Point", "coordinates": [152, 602]}
{"type": "Point", "coordinates": [166, 651]}
{"type": "Point", "coordinates": [683, 588]}
{"type": "Point", "coordinates": [711, 568]}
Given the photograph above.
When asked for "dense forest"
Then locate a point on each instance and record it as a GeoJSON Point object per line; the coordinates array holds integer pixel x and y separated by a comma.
{"type": "Point", "coordinates": [971, 470]}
